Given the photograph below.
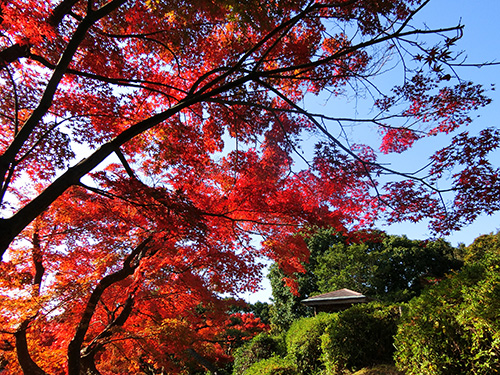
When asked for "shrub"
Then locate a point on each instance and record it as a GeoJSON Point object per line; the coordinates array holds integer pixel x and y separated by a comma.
{"type": "Point", "coordinates": [360, 337]}
{"type": "Point", "coordinates": [262, 346]}
{"type": "Point", "coordinates": [273, 366]}
{"type": "Point", "coordinates": [303, 342]}
{"type": "Point", "coordinates": [379, 370]}
{"type": "Point", "coordinates": [454, 327]}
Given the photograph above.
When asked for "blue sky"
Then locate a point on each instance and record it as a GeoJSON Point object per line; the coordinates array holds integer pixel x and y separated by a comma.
{"type": "Point", "coordinates": [481, 43]}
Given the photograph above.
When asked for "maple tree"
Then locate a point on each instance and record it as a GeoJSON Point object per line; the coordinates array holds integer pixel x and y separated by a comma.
{"type": "Point", "coordinates": [145, 144]}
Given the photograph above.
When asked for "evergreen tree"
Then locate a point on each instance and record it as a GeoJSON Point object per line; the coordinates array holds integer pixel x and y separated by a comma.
{"type": "Point", "coordinates": [385, 267]}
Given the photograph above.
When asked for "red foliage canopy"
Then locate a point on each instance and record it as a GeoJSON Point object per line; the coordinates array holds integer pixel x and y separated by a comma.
{"type": "Point", "coordinates": [146, 145]}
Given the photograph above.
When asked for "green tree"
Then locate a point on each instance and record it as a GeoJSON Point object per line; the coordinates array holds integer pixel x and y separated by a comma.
{"type": "Point", "coordinates": [359, 337]}
{"type": "Point", "coordinates": [286, 307]}
{"type": "Point", "coordinates": [405, 266]}
{"type": "Point", "coordinates": [388, 268]}
{"type": "Point", "coordinates": [454, 327]}
{"type": "Point", "coordinates": [483, 247]}
{"type": "Point", "coordinates": [342, 263]}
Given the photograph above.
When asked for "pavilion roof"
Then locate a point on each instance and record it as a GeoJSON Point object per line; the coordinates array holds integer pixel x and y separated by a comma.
{"type": "Point", "coordinates": [340, 296]}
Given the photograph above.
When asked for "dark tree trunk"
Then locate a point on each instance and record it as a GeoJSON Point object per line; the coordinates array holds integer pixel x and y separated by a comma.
{"type": "Point", "coordinates": [27, 364]}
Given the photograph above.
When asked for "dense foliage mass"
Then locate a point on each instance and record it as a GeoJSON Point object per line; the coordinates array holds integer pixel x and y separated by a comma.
{"type": "Point", "coordinates": [145, 145]}
{"type": "Point", "coordinates": [388, 268]}
{"type": "Point", "coordinates": [273, 366]}
{"type": "Point", "coordinates": [454, 327]}
{"type": "Point", "coordinates": [303, 342]}
{"type": "Point", "coordinates": [361, 336]}
{"type": "Point", "coordinates": [384, 267]}
{"type": "Point", "coordinates": [261, 347]}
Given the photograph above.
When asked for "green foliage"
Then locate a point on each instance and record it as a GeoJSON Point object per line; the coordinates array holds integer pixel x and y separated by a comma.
{"type": "Point", "coordinates": [325, 344]}
{"type": "Point", "coordinates": [346, 266]}
{"type": "Point", "coordinates": [303, 342]}
{"type": "Point", "coordinates": [379, 370]}
{"type": "Point", "coordinates": [482, 248]}
{"type": "Point", "coordinates": [273, 366]}
{"type": "Point", "coordinates": [260, 310]}
{"type": "Point", "coordinates": [359, 337]}
{"type": "Point", "coordinates": [454, 327]}
{"type": "Point", "coordinates": [388, 268]}
{"type": "Point", "coordinates": [261, 347]}
{"type": "Point", "coordinates": [286, 307]}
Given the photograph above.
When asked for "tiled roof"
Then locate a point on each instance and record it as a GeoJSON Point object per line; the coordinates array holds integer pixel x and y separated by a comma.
{"type": "Point", "coordinates": [337, 295]}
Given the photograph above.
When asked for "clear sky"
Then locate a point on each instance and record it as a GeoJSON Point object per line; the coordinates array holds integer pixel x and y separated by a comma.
{"type": "Point", "coordinates": [481, 43]}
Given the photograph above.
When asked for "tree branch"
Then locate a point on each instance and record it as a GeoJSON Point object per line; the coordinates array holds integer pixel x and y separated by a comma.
{"type": "Point", "coordinates": [125, 82]}
{"type": "Point", "coordinates": [45, 103]}
{"type": "Point", "coordinates": [19, 50]}
{"type": "Point", "coordinates": [14, 52]}
{"type": "Point", "coordinates": [27, 364]}
{"type": "Point", "coordinates": [60, 11]}
{"type": "Point", "coordinates": [129, 266]}
{"type": "Point", "coordinates": [125, 163]}
{"type": "Point", "coordinates": [11, 227]}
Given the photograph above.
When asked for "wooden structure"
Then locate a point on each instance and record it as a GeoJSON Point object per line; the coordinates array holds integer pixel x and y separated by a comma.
{"type": "Point", "coordinates": [337, 300]}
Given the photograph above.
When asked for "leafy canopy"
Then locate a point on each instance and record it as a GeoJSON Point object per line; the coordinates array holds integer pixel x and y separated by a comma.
{"type": "Point", "coordinates": [454, 326]}
{"type": "Point", "coordinates": [144, 145]}
{"type": "Point", "coordinates": [384, 267]}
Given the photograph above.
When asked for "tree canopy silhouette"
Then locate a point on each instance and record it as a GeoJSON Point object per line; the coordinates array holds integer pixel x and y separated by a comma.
{"type": "Point", "coordinates": [144, 145]}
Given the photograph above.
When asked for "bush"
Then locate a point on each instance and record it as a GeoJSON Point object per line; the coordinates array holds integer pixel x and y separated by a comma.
{"type": "Point", "coordinates": [273, 366]}
{"type": "Point", "coordinates": [262, 346]}
{"type": "Point", "coordinates": [454, 327]}
{"type": "Point", "coordinates": [303, 342]}
{"type": "Point", "coordinates": [379, 370]}
{"type": "Point", "coordinates": [483, 247]}
{"type": "Point", "coordinates": [361, 336]}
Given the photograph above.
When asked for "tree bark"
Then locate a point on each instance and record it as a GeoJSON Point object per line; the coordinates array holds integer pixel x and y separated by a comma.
{"type": "Point", "coordinates": [27, 364]}
{"type": "Point", "coordinates": [12, 53]}
{"type": "Point", "coordinates": [75, 346]}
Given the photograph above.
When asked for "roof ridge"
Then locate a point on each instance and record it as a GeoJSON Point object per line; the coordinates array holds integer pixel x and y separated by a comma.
{"type": "Point", "coordinates": [340, 293]}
